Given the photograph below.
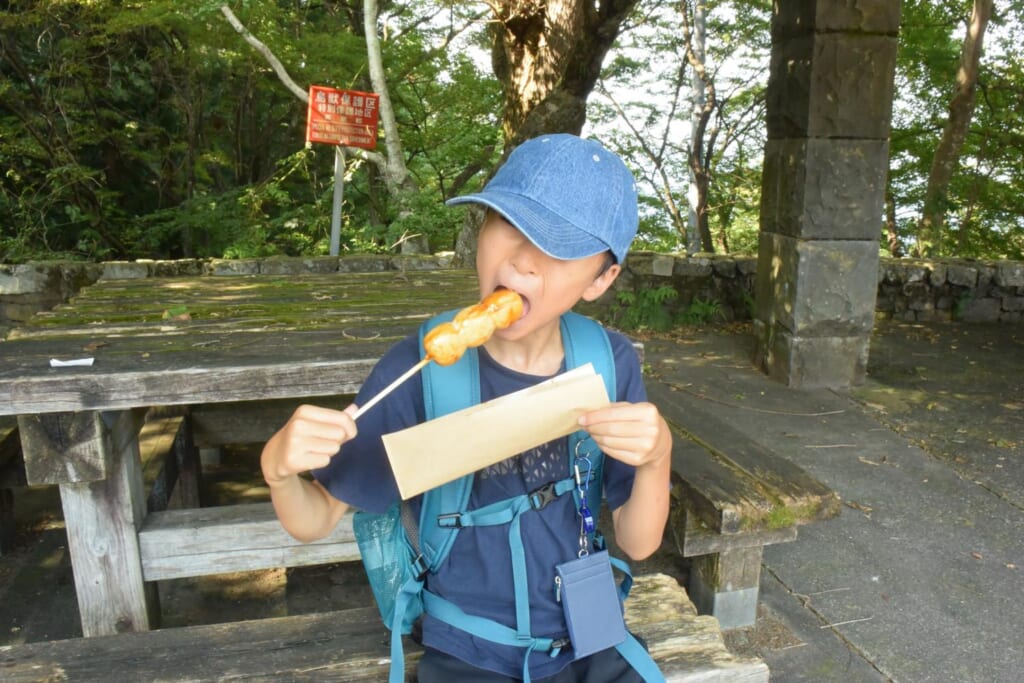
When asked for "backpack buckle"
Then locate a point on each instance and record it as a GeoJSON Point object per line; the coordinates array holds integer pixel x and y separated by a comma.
{"type": "Point", "coordinates": [450, 520]}
{"type": "Point", "coordinates": [419, 565]}
{"type": "Point", "coordinates": [540, 498]}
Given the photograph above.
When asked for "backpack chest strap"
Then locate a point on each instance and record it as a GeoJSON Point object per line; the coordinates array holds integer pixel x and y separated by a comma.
{"type": "Point", "coordinates": [509, 511]}
{"type": "Point", "coordinates": [505, 511]}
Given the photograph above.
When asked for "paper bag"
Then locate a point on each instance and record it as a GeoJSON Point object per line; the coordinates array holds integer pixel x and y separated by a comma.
{"type": "Point", "coordinates": [438, 451]}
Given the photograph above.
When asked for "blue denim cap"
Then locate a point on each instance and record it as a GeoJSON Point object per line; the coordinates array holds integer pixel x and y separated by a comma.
{"type": "Point", "coordinates": [571, 197]}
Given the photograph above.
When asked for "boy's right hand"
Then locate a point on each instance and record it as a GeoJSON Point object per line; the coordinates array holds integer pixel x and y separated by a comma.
{"type": "Point", "coordinates": [310, 438]}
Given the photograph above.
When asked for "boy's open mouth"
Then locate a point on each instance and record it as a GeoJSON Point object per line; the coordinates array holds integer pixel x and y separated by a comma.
{"type": "Point", "coordinates": [526, 301]}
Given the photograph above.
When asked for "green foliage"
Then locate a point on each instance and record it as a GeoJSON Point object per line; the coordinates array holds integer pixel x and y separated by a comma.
{"type": "Point", "coordinates": [152, 129]}
{"type": "Point", "coordinates": [961, 304]}
{"type": "Point", "coordinates": [642, 109]}
{"type": "Point", "coordinates": [648, 309]}
{"type": "Point", "coordinates": [644, 310]}
{"type": "Point", "coordinates": [984, 208]}
{"type": "Point", "coordinates": [700, 312]}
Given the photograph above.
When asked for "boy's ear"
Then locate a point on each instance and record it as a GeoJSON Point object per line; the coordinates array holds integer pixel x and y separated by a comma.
{"type": "Point", "coordinates": [602, 282]}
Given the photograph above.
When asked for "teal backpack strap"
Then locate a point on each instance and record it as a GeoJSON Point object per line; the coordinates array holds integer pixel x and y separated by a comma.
{"type": "Point", "coordinates": [640, 659]}
{"type": "Point", "coordinates": [585, 341]}
{"type": "Point", "coordinates": [446, 389]}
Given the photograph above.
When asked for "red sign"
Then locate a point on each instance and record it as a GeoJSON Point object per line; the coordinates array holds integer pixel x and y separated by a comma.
{"type": "Point", "coordinates": [342, 117]}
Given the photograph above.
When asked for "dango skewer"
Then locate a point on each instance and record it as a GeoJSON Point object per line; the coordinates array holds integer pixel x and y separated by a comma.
{"type": "Point", "coordinates": [445, 344]}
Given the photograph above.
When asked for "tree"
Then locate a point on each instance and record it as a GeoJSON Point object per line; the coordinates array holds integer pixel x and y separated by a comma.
{"type": "Point", "coordinates": [402, 186]}
{"type": "Point", "coordinates": [961, 110]}
{"type": "Point", "coordinates": [547, 57]}
{"type": "Point", "coordinates": [982, 211]}
{"type": "Point", "coordinates": [149, 129]}
{"type": "Point", "coordinates": [646, 108]}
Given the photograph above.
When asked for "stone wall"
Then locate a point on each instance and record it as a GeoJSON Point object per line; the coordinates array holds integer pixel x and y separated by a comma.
{"type": "Point", "coordinates": [909, 290]}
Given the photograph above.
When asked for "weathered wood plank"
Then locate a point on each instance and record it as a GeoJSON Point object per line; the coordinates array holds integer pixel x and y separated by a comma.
{"type": "Point", "coordinates": [332, 646]}
{"type": "Point", "coordinates": [101, 519]}
{"type": "Point", "coordinates": [721, 495]}
{"type": "Point", "coordinates": [735, 483]}
{"type": "Point", "coordinates": [64, 447]}
{"type": "Point", "coordinates": [694, 538]}
{"type": "Point", "coordinates": [246, 338]}
{"type": "Point", "coordinates": [235, 381]}
{"type": "Point", "coordinates": [180, 543]}
{"type": "Point", "coordinates": [10, 441]}
{"type": "Point", "coordinates": [161, 441]}
{"type": "Point", "coordinates": [351, 645]}
{"type": "Point", "coordinates": [188, 492]}
{"type": "Point", "coordinates": [308, 302]}
{"type": "Point", "coordinates": [687, 647]}
{"type": "Point", "coordinates": [217, 424]}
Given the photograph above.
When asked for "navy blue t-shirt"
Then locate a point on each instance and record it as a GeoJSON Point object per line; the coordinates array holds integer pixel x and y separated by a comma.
{"type": "Point", "coordinates": [477, 575]}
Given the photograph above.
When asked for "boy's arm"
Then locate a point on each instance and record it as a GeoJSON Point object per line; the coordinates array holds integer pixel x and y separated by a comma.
{"type": "Point", "coordinates": [636, 434]}
{"type": "Point", "coordinates": [310, 438]}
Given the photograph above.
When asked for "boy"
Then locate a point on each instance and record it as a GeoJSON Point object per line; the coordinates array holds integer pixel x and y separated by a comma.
{"type": "Point", "coordinates": [561, 214]}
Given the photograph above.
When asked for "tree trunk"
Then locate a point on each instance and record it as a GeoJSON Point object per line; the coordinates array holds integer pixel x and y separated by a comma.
{"type": "Point", "coordinates": [947, 154]}
{"type": "Point", "coordinates": [548, 56]}
{"type": "Point", "coordinates": [699, 234]}
{"type": "Point", "coordinates": [891, 231]}
{"type": "Point", "coordinates": [397, 175]}
{"type": "Point", "coordinates": [695, 48]}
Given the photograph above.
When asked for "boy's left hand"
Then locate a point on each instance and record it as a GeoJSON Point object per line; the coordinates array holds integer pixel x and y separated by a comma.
{"type": "Point", "coordinates": [634, 433]}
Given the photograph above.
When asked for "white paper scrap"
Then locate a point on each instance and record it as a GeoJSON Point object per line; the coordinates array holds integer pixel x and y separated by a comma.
{"type": "Point", "coordinates": [57, 363]}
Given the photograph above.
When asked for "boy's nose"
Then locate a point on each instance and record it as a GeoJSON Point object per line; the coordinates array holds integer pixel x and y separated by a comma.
{"type": "Point", "coordinates": [525, 257]}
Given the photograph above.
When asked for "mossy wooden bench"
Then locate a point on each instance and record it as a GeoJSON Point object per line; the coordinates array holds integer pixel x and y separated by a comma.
{"type": "Point", "coordinates": [732, 497]}
{"type": "Point", "coordinates": [349, 645]}
{"type": "Point", "coordinates": [135, 344]}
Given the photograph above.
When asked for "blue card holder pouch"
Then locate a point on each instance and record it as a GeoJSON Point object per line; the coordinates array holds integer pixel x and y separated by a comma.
{"type": "Point", "coordinates": [590, 600]}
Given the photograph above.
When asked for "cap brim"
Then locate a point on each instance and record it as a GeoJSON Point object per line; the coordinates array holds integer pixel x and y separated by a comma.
{"type": "Point", "coordinates": [549, 232]}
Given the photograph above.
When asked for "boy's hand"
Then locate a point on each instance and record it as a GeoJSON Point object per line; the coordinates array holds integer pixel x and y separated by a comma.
{"type": "Point", "coordinates": [310, 438]}
{"type": "Point", "coordinates": [638, 435]}
{"type": "Point", "coordinates": [634, 433]}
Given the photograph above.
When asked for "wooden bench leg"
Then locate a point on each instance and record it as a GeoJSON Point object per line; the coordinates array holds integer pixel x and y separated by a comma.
{"type": "Point", "coordinates": [188, 492]}
{"type": "Point", "coordinates": [725, 585]}
{"type": "Point", "coordinates": [7, 524]}
{"type": "Point", "coordinates": [95, 459]}
{"type": "Point", "coordinates": [170, 461]}
{"type": "Point", "coordinates": [12, 475]}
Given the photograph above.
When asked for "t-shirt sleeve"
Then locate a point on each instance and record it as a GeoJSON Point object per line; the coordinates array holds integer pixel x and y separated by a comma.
{"type": "Point", "coordinates": [618, 476]}
{"type": "Point", "coordinates": [360, 473]}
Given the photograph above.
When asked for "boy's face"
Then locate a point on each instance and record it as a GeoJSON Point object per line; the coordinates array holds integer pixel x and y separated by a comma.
{"type": "Point", "coordinates": [549, 286]}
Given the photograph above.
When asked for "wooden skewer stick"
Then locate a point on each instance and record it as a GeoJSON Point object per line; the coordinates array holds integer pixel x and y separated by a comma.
{"type": "Point", "coordinates": [389, 388]}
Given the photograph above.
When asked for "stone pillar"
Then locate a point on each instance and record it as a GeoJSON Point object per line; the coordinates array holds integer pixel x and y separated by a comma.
{"type": "Point", "coordinates": [822, 198]}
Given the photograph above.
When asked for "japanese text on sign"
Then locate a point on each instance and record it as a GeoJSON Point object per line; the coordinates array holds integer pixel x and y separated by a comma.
{"type": "Point", "coordinates": [342, 117]}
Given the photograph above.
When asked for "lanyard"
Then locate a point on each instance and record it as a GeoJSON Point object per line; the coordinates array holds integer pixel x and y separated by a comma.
{"type": "Point", "coordinates": [587, 525]}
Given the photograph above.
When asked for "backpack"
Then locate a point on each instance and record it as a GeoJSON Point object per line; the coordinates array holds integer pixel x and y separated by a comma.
{"type": "Point", "coordinates": [398, 551]}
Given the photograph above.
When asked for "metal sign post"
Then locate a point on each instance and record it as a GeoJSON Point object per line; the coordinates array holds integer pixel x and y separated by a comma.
{"type": "Point", "coordinates": [344, 118]}
{"type": "Point", "coordinates": [339, 190]}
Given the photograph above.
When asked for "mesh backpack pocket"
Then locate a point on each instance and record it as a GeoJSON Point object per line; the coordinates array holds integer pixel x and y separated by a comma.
{"type": "Point", "coordinates": [388, 561]}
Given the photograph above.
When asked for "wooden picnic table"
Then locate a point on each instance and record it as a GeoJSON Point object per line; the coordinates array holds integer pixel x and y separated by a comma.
{"type": "Point", "coordinates": [183, 341]}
